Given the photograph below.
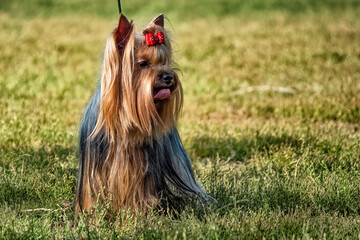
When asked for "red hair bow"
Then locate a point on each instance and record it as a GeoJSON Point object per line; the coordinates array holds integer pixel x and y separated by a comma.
{"type": "Point", "coordinates": [152, 39]}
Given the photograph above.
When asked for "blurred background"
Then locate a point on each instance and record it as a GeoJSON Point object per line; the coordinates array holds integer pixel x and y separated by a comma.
{"type": "Point", "coordinates": [271, 115]}
{"type": "Point", "coordinates": [176, 8]}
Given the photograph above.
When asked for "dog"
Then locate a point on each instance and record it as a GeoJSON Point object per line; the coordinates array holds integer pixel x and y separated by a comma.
{"type": "Point", "coordinates": [130, 150]}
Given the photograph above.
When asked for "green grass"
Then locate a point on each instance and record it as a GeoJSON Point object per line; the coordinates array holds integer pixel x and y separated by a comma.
{"type": "Point", "coordinates": [178, 9]}
{"type": "Point", "coordinates": [281, 165]}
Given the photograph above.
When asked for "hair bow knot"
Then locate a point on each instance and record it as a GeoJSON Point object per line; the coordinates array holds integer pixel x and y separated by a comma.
{"type": "Point", "coordinates": [152, 39]}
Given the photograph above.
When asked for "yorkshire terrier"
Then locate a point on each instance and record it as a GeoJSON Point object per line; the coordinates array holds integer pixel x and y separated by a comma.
{"type": "Point", "coordinates": [130, 150]}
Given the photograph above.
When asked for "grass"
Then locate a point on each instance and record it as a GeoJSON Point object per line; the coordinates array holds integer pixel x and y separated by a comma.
{"type": "Point", "coordinates": [281, 165]}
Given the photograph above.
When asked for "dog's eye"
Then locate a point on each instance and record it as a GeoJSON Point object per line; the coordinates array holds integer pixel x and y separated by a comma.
{"type": "Point", "coordinates": [143, 64]}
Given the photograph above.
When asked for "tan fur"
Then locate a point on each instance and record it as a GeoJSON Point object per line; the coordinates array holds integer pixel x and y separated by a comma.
{"type": "Point", "coordinates": [129, 117]}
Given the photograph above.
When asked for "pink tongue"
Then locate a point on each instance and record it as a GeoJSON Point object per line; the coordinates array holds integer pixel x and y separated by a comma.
{"type": "Point", "coordinates": [162, 94]}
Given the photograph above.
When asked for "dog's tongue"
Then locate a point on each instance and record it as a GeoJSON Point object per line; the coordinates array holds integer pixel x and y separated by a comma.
{"type": "Point", "coordinates": [162, 94]}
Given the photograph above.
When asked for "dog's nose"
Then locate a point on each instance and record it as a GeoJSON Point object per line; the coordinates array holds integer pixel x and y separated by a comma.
{"type": "Point", "coordinates": [167, 78]}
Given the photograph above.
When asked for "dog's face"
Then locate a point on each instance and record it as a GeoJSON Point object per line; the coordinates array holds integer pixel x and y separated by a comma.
{"type": "Point", "coordinates": [154, 65]}
{"type": "Point", "coordinates": [141, 91]}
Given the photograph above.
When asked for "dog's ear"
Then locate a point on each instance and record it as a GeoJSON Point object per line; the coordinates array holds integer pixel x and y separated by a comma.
{"type": "Point", "coordinates": [158, 20]}
{"type": "Point", "coordinates": [123, 31]}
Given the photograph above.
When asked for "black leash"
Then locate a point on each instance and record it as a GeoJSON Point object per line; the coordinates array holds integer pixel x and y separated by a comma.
{"type": "Point", "coordinates": [119, 5]}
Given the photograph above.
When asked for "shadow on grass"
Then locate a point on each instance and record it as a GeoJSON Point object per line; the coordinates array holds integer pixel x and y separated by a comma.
{"type": "Point", "coordinates": [267, 182]}
{"type": "Point", "coordinates": [37, 177]}
{"type": "Point", "coordinates": [245, 147]}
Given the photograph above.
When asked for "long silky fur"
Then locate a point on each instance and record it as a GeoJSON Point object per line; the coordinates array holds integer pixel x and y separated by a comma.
{"type": "Point", "coordinates": [130, 150]}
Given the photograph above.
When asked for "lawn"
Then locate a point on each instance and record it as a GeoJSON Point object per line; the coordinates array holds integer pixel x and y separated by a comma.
{"type": "Point", "coordinates": [271, 118]}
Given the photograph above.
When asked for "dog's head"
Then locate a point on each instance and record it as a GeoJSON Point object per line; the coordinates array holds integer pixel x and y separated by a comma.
{"type": "Point", "coordinates": [141, 94]}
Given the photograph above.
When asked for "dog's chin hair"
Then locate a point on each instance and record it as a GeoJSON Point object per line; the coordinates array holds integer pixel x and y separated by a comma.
{"type": "Point", "coordinates": [130, 150]}
{"type": "Point", "coordinates": [117, 115]}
